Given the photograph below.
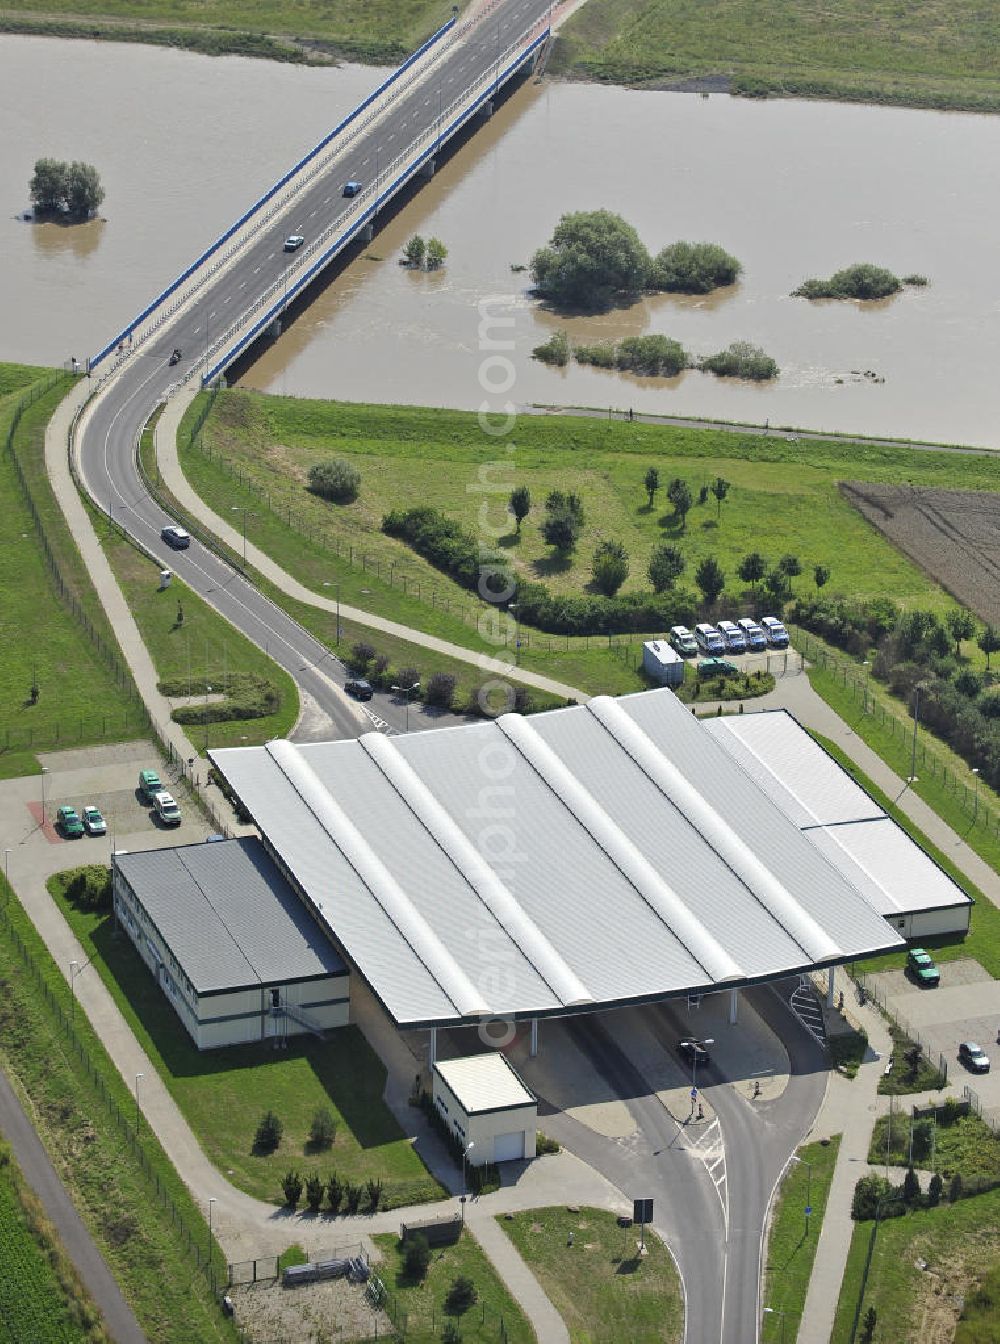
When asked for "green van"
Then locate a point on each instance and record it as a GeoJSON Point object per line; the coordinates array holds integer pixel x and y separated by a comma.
{"type": "Point", "coordinates": [149, 783]}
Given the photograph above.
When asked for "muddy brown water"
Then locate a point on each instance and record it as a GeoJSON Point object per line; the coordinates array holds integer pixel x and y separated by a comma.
{"type": "Point", "coordinates": [793, 189]}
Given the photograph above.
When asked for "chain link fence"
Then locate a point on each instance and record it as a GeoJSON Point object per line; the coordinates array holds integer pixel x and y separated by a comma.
{"type": "Point", "coordinates": [869, 988]}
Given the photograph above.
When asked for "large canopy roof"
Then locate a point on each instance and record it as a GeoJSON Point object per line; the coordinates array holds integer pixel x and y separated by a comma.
{"type": "Point", "coordinates": [607, 853]}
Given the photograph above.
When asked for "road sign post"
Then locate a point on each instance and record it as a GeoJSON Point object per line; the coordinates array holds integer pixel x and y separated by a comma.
{"type": "Point", "coordinates": [642, 1213]}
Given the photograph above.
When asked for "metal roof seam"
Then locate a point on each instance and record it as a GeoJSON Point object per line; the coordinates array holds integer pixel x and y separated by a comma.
{"type": "Point", "coordinates": [501, 903]}
{"type": "Point", "coordinates": [762, 884]}
{"type": "Point", "coordinates": [210, 903]}
{"type": "Point", "coordinates": [411, 925]}
{"type": "Point", "coordinates": [675, 915]}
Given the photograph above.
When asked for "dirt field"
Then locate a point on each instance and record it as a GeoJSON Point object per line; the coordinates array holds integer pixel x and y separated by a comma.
{"type": "Point", "coordinates": [312, 1313]}
{"type": "Point", "coordinates": [953, 535]}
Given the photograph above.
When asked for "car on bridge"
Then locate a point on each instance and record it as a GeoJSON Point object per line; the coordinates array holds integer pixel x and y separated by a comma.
{"type": "Point", "coordinates": [294, 241]}
{"type": "Point", "coordinates": [352, 188]}
{"type": "Point", "coordinates": [176, 537]}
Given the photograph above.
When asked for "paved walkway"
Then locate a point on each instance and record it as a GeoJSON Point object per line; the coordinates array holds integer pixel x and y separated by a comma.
{"type": "Point", "coordinates": [550, 1327]}
{"type": "Point", "coordinates": [176, 482]}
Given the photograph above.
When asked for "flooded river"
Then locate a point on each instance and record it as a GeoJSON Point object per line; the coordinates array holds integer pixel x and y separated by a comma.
{"type": "Point", "coordinates": [792, 189]}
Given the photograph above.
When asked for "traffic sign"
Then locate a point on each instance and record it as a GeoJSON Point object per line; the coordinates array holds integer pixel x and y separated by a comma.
{"type": "Point", "coordinates": [694, 1094]}
{"type": "Point", "coordinates": [809, 1209]}
{"type": "Point", "coordinates": [642, 1211]}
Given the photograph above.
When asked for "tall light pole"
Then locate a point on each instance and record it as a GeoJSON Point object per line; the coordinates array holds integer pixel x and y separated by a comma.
{"type": "Point", "coordinates": [512, 606]}
{"type": "Point", "coordinates": [138, 1079]}
{"type": "Point", "coordinates": [45, 771]}
{"type": "Point", "coordinates": [406, 690]}
{"type": "Point", "coordinates": [975, 801]}
{"type": "Point", "coordinates": [208, 692]}
{"type": "Point", "coordinates": [809, 1171]}
{"type": "Point", "coordinates": [74, 971]}
{"type": "Point", "coordinates": [695, 1046]}
{"type": "Point", "coordinates": [465, 1184]}
{"type": "Point", "coordinates": [916, 719]}
{"type": "Point", "coordinates": [329, 583]}
{"type": "Point", "coordinates": [776, 1311]}
{"type": "Point", "coordinates": [242, 508]}
{"type": "Point", "coordinates": [6, 866]}
{"type": "Point", "coordinates": [211, 1267]}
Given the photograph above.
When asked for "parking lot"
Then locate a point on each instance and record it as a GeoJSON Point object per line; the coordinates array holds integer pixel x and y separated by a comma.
{"type": "Point", "coordinates": [965, 1006]}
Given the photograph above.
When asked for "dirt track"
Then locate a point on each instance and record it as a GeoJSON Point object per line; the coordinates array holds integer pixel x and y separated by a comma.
{"type": "Point", "coordinates": [953, 535]}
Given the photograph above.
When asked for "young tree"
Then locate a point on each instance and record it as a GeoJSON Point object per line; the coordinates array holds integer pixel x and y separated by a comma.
{"type": "Point", "coordinates": [610, 567]}
{"type": "Point", "coordinates": [776, 586]}
{"type": "Point", "coordinates": [789, 565]}
{"type": "Point", "coordinates": [752, 569]}
{"type": "Point", "coordinates": [323, 1130]}
{"type": "Point", "coordinates": [416, 1257]}
{"type": "Point", "coordinates": [334, 1192]}
{"type": "Point", "coordinates": [48, 185]}
{"type": "Point", "coordinates": [373, 1193]}
{"type": "Point", "coordinates": [441, 690]}
{"type": "Point", "coordinates": [666, 565]}
{"type": "Point", "coordinates": [461, 1295]}
{"type": "Point", "coordinates": [679, 494]}
{"type": "Point", "coordinates": [911, 1187]}
{"type": "Point", "coordinates": [291, 1184]}
{"type": "Point", "coordinates": [520, 505]}
{"type": "Point", "coordinates": [989, 642]}
{"type": "Point", "coordinates": [84, 192]}
{"type": "Point", "coordinates": [360, 656]}
{"type": "Point", "coordinates": [414, 251]}
{"type": "Point", "coordinates": [269, 1132]}
{"type": "Point", "coordinates": [961, 625]}
{"type": "Point", "coordinates": [563, 521]}
{"type": "Point", "coordinates": [710, 579]}
{"type": "Point", "coordinates": [436, 254]}
{"type": "Point", "coordinates": [821, 576]}
{"type": "Point", "coordinates": [868, 1326]}
{"type": "Point", "coordinates": [652, 483]}
{"type": "Point", "coordinates": [315, 1189]}
{"type": "Point", "coordinates": [935, 1190]}
{"type": "Point", "coordinates": [720, 489]}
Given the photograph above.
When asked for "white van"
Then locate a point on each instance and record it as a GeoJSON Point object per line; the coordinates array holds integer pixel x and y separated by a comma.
{"type": "Point", "coordinates": [777, 635]}
{"type": "Point", "coordinates": [736, 640]}
{"type": "Point", "coordinates": [753, 634]}
{"type": "Point", "coordinates": [709, 640]}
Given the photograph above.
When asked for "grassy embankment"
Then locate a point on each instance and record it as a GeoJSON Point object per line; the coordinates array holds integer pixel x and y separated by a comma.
{"type": "Point", "coordinates": [421, 1304]}
{"type": "Point", "coordinates": [72, 1095]}
{"type": "Point", "coordinates": [790, 1249]}
{"type": "Point", "coordinates": [41, 1295]}
{"type": "Point", "coordinates": [81, 699]}
{"type": "Point", "coordinates": [937, 55]}
{"type": "Point", "coordinates": [599, 1285]}
{"type": "Point", "coordinates": [259, 450]}
{"type": "Point", "coordinates": [224, 1093]}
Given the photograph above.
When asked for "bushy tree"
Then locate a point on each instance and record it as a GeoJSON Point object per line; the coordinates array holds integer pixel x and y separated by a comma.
{"type": "Point", "coordinates": [821, 576]}
{"type": "Point", "coordinates": [961, 625]}
{"type": "Point", "coordinates": [610, 567]}
{"type": "Point", "coordinates": [651, 481]}
{"type": "Point", "coordinates": [693, 268]}
{"type": "Point", "coordinates": [414, 251]}
{"type": "Point", "coordinates": [790, 565]}
{"type": "Point", "coordinates": [556, 350]}
{"type": "Point", "coordinates": [73, 187]}
{"type": "Point", "coordinates": [416, 1257]}
{"type": "Point", "coordinates": [334, 1192]}
{"type": "Point", "coordinates": [741, 359]}
{"type": "Point", "coordinates": [441, 690]}
{"type": "Point", "coordinates": [935, 1189]}
{"type": "Point", "coordinates": [720, 489]}
{"type": "Point", "coordinates": [407, 677]}
{"type": "Point", "coordinates": [911, 1187]}
{"type": "Point", "coordinates": [776, 586]}
{"type": "Point", "coordinates": [652, 356]}
{"type": "Point", "coordinates": [323, 1130]}
{"type": "Point", "coordinates": [84, 192]}
{"type": "Point", "coordinates": [563, 520]}
{"type": "Point", "coordinates": [337, 479]}
{"type": "Point", "coordinates": [679, 494]}
{"type": "Point", "coordinates": [291, 1184]}
{"type": "Point", "coordinates": [752, 569]}
{"type": "Point", "coordinates": [869, 1192]}
{"type": "Point", "coordinates": [436, 254]}
{"type": "Point", "coordinates": [520, 504]}
{"type": "Point", "coordinates": [710, 579]}
{"type": "Point", "coordinates": [989, 642]}
{"type": "Point", "coordinates": [461, 1295]}
{"type": "Point", "coordinates": [269, 1132]}
{"type": "Point", "coordinates": [861, 281]}
{"type": "Point", "coordinates": [968, 683]}
{"type": "Point", "coordinates": [666, 565]}
{"type": "Point", "coordinates": [315, 1189]}
{"type": "Point", "coordinates": [48, 185]}
{"type": "Point", "coordinates": [593, 258]}
{"type": "Point", "coordinates": [360, 656]}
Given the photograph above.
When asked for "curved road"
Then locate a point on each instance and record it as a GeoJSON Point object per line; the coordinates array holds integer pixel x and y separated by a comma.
{"type": "Point", "coordinates": [113, 423]}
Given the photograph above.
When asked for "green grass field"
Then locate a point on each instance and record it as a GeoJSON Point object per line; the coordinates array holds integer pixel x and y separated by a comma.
{"type": "Point", "coordinates": [790, 1251]}
{"type": "Point", "coordinates": [922, 1267]}
{"type": "Point", "coordinates": [422, 1304]}
{"type": "Point", "coordinates": [79, 700]}
{"type": "Point", "coordinates": [143, 1248]}
{"type": "Point", "coordinates": [224, 1093]}
{"type": "Point", "coordinates": [600, 1286]}
{"type": "Point", "coordinates": [936, 55]}
{"type": "Point", "coordinates": [41, 1296]}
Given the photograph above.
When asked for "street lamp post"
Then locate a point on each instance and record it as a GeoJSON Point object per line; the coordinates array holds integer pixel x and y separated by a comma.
{"type": "Point", "coordinates": [916, 718]}
{"type": "Point", "coordinates": [208, 692]}
{"type": "Point", "coordinates": [975, 801]}
{"type": "Point", "coordinates": [695, 1045]}
{"type": "Point", "coordinates": [74, 971]}
{"type": "Point", "coordinates": [405, 690]}
{"type": "Point", "coordinates": [6, 866]}
{"type": "Point", "coordinates": [809, 1171]}
{"type": "Point", "coordinates": [45, 771]}
{"type": "Point", "coordinates": [242, 508]}
{"type": "Point", "coordinates": [211, 1267]}
{"type": "Point", "coordinates": [512, 606]}
{"type": "Point", "coordinates": [776, 1311]}
{"type": "Point", "coordinates": [328, 583]}
{"type": "Point", "coordinates": [138, 1079]}
{"type": "Point", "coordinates": [465, 1184]}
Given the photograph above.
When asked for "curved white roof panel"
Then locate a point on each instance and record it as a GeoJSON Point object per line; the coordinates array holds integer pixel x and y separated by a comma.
{"type": "Point", "coordinates": [607, 853]}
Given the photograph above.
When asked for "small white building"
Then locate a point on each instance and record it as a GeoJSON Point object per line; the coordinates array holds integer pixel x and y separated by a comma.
{"type": "Point", "coordinates": [230, 943]}
{"type": "Point", "coordinates": [485, 1104]}
{"type": "Point", "coordinates": [662, 663]}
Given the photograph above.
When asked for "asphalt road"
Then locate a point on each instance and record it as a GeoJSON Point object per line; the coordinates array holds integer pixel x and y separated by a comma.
{"type": "Point", "coordinates": [40, 1174]}
{"type": "Point", "coordinates": [107, 446]}
{"type": "Point", "coordinates": [712, 1219]}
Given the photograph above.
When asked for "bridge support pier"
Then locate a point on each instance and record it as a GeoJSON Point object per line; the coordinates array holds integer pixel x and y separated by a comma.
{"type": "Point", "coordinates": [274, 330]}
{"type": "Point", "coordinates": [367, 233]}
{"type": "Point", "coordinates": [487, 109]}
{"type": "Point", "coordinates": [734, 1003]}
{"type": "Point", "coordinates": [428, 170]}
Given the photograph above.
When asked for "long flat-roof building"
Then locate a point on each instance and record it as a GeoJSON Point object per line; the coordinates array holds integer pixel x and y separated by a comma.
{"type": "Point", "coordinates": [230, 943]}
{"type": "Point", "coordinates": [603, 854]}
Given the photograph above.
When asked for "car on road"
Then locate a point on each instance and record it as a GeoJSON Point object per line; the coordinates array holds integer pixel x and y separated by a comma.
{"type": "Point", "coordinates": [293, 242]}
{"type": "Point", "coordinates": [166, 809]}
{"type": "Point", "coordinates": [359, 688]}
{"type": "Point", "coordinates": [753, 634]}
{"type": "Point", "coordinates": [149, 784]}
{"type": "Point", "coordinates": [93, 822]}
{"type": "Point", "coordinates": [709, 639]}
{"type": "Point", "coordinates": [717, 667]}
{"type": "Point", "coordinates": [69, 823]}
{"type": "Point", "coordinates": [920, 965]}
{"type": "Point", "coordinates": [974, 1057]}
{"type": "Point", "coordinates": [693, 1051]}
{"type": "Point", "coordinates": [777, 635]}
{"type": "Point", "coordinates": [352, 188]}
{"type": "Point", "coordinates": [176, 537]}
{"type": "Point", "coordinates": [736, 640]}
{"type": "Point", "coordinates": [682, 641]}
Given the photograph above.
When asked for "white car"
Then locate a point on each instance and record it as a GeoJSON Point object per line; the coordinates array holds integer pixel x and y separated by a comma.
{"type": "Point", "coordinates": [166, 809]}
{"type": "Point", "coordinates": [293, 242]}
{"type": "Point", "coordinates": [93, 822]}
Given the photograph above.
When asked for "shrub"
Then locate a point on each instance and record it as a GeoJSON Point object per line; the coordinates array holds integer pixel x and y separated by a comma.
{"type": "Point", "coordinates": [543, 1144]}
{"type": "Point", "coordinates": [373, 1194]}
{"type": "Point", "coordinates": [741, 360]}
{"type": "Point", "coordinates": [334, 1192]}
{"type": "Point", "coordinates": [441, 690]}
{"type": "Point", "coordinates": [610, 567]}
{"type": "Point", "coordinates": [601, 355]}
{"type": "Point", "coordinates": [693, 268]}
{"type": "Point", "coordinates": [461, 1295]}
{"type": "Point", "coordinates": [247, 697]}
{"type": "Point", "coordinates": [315, 1190]}
{"type": "Point", "coordinates": [911, 1187]}
{"type": "Point", "coordinates": [956, 1189]}
{"type": "Point", "coordinates": [935, 1189]}
{"type": "Point", "coordinates": [553, 351]}
{"type": "Point", "coordinates": [451, 1333]}
{"type": "Point", "coordinates": [352, 1196]}
{"type": "Point", "coordinates": [89, 888]}
{"type": "Point", "coordinates": [869, 1192]}
{"type": "Point", "coordinates": [337, 480]}
{"type": "Point", "coordinates": [269, 1132]}
{"type": "Point", "coordinates": [916, 280]}
{"type": "Point", "coordinates": [407, 678]}
{"type": "Point", "coordinates": [861, 281]}
{"type": "Point", "coordinates": [416, 1257]}
{"type": "Point", "coordinates": [414, 251]}
{"type": "Point", "coordinates": [323, 1130]}
{"type": "Point", "coordinates": [651, 356]}
{"type": "Point", "coordinates": [291, 1184]}
{"type": "Point", "coordinates": [360, 656]}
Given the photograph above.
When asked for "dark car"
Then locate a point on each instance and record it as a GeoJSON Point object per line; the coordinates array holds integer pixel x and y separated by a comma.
{"type": "Point", "coordinates": [359, 688]}
{"type": "Point", "coordinates": [352, 188]}
{"type": "Point", "coordinates": [176, 537]}
{"type": "Point", "coordinates": [693, 1051]}
{"type": "Point", "coordinates": [974, 1057]}
{"type": "Point", "coordinates": [717, 667]}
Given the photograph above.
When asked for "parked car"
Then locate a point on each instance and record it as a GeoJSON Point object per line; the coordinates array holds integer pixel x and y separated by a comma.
{"type": "Point", "coordinates": [682, 641]}
{"type": "Point", "coordinates": [736, 640]}
{"type": "Point", "coordinates": [93, 822]}
{"type": "Point", "coordinates": [974, 1057]}
{"type": "Point", "coordinates": [352, 188]}
{"type": "Point", "coordinates": [921, 966]}
{"type": "Point", "coordinates": [709, 639]}
{"type": "Point", "coordinates": [753, 634]}
{"type": "Point", "coordinates": [777, 635]}
{"type": "Point", "coordinates": [693, 1051]}
{"type": "Point", "coordinates": [166, 809]}
{"type": "Point", "coordinates": [176, 537]}
{"type": "Point", "coordinates": [293, 242]}
{"type": "Point", "coordinates": [359, 688]}
{"type": "Point", "coordinates": [717, 667]}
{"type": "Point", "coordinates": [149, 784]}
{"type": "Point", "coordinates": [69, 823]}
